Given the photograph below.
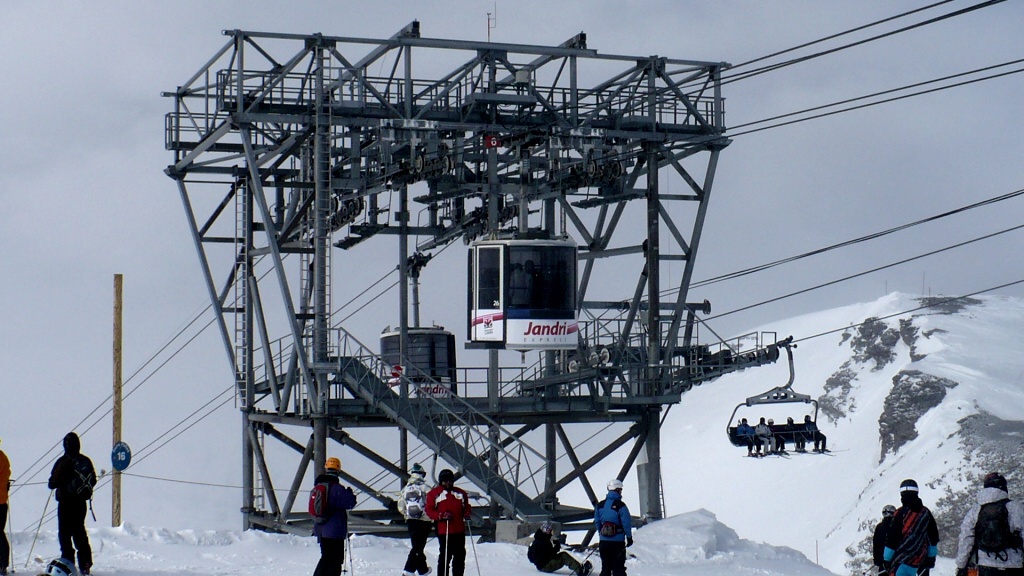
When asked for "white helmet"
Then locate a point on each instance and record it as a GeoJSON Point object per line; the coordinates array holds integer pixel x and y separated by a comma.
{"type": "Point", "coordinates": [61, 567]}
{"type": "Point", "coordinates": [615, 484]}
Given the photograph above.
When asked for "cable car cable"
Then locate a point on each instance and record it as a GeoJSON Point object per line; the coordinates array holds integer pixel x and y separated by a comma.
{"type": "Point", "coordinates": [769, 68]}
{"type": "Point", "coordinates": [837, 35]}
{"type": "Point", "coordinates": [883, 92]}
{"type": "Point", "coordinates": [870, 104]}
{"type": "Point", "coordinates": [864, 273]}
{"type": "Point", "coordinates": [932, 304]}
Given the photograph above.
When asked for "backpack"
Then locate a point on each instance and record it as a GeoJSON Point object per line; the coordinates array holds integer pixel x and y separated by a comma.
{"type": "Point", "coordinates": [992, 533]}
{"type": "Point", "coordinates": [83, 478]}
{"type": "Point", "coordinates": [413, 501]}
{"type": "Point", "coordinates": [608, 528]}
{"type": "Point", "coordinates": [318, 499]}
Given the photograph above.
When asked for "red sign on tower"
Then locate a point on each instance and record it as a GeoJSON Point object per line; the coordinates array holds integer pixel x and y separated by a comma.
{"type": "Point", "coordinates": [491, 141]}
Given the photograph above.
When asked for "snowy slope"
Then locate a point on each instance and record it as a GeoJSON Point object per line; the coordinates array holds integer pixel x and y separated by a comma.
{"type": "Point", "coordinates": [693, 543]}
{"type": "Point", "coordinates": [935, 394]}
{"type": "Point", "coordinates": [825, 505]}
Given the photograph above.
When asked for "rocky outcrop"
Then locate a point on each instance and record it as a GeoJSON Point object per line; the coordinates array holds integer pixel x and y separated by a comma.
{"type": "Point", "coordinates": [913, 394]}
{"type": "Point", "coordinates": [837, 401]}
{"type": "Point", "coordinates": [875, 342]}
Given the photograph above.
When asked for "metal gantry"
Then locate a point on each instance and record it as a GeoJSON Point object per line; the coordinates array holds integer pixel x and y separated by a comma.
{"type": "Point", "coordinates": [290, 151]}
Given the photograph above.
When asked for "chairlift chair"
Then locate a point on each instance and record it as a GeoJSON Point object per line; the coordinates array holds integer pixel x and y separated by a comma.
{"type": "Point", "coordinates": [778, 395]}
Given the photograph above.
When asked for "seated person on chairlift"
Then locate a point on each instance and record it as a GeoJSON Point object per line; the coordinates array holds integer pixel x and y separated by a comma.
{"type": "Point", "coordinates": [764, 437]}
{"type": "Point", "coordinates": [799, 436]}
{"type": "Point", "coordinates": [745, 432]}
{"type": "Point", "coordinates": [778, 440]}
{"type": "Point", "coordinates": [815, 435]}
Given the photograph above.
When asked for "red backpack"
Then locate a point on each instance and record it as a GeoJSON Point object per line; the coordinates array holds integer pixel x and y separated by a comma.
{"type": "Point", "coordinates": [318, 502]}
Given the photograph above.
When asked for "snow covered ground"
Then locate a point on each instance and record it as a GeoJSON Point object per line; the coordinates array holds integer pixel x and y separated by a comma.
{"type": "Point", "coordinates": [727, 514]}
{"type": "Point", "coordinates": [693, 543]}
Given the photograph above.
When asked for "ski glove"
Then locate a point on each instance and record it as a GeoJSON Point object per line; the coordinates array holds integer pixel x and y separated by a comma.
{"type": "Point", "coordinates": [629, 541]}
{"type": "Point", "coordinates": [446, 516]}
{"type": "Point", "coordinates": [929, 562]}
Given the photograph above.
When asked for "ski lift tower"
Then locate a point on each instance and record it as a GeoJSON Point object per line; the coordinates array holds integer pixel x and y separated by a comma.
{"type": "Point", "coordinates": [293, 154]}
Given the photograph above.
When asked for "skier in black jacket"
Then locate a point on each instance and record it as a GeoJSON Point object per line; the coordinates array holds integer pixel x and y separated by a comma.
{"type": "Point", "coordinates": [545, 553]}
{"type": "Point", "coordinates": [913, 539]}
{"type": "Point", "coordinates": [881, 530]}
{"type": "Point", "coordinates": [72, 502]}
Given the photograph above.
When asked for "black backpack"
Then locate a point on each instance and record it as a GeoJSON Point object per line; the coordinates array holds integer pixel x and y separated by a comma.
{"type": "Point", "coordinates": [83, 478]}
{"type": "Point", "coordinates": [992, 533]}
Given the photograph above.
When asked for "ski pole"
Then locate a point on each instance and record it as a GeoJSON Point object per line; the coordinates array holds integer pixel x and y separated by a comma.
{"type": "Point", "coordinates": [447, 553]}
{"type": "Point", "coordinates": [348, 539]}
{"type": "Point", "coordinates": [469, 530]}
{"type": "Point", "coordinates": [40, 525]}
{"type": "Point", "coordinates": [10, 531]}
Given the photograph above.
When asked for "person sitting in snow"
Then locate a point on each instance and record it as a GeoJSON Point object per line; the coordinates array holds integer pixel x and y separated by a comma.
{"type": "Point", "coordinates": [546, 555]}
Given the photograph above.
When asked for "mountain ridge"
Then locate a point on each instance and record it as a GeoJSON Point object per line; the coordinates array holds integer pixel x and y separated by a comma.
{"type": "Point", "coordinates": [933, 393]}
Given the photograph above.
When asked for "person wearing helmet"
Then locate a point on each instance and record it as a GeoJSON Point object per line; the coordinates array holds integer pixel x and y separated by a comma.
{"type": "Point", "coordinates": [5, 487]}
{"type": "Point", "coordinates": [992, 527]}
{"type": "Point", "coordinates": [613, 524]}
{"type": "Point", "coordinates": [332, 533]}
{"type": "Point", "coordinates": [73, 495]}
{"type": "Point", "coordinates": [412, 504]}
{"type": "Point", "coordinates": [878, 541]}
{"type": "Point", "coordinates": [913, 539]}
{"type": "Point", "coordinates": [449, 507]}
{"type": "Point", "coordinates": [545, 552]}
{"type": "Point", "coordinates": [60, 567]}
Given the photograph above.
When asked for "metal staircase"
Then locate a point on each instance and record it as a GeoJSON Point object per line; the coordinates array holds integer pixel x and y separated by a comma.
{"type": "Point", "coordinates": [493, 458]}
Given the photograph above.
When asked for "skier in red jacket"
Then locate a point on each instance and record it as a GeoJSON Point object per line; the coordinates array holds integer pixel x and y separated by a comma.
{"type": "Point", "coordinates": [449, 507]}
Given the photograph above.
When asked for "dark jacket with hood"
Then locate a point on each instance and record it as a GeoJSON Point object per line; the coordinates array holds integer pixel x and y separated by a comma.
{"type": "Point", "coordinates": [914, 536]}
{"type": "Point", "coordinates": [64, 469]}
{"type": "Point", "coordinates": [340, 499]}
{"type": "Point", "coordinates": [543, 548]}
{"type": "Point", "coordinates": [881, 531]}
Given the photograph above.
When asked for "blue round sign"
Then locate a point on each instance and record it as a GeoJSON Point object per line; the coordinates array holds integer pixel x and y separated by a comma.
{"type": "Point", "coordinates": [120, 456]}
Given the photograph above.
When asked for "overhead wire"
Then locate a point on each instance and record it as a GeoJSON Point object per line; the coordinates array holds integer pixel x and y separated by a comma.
{"type": "Point", "coordinates": [850, 242]}
{"type": "Point", "coordinates": [932, 303]}
{"type": "Point", "coordinates": [866, 272]}
{"type": "Point", "coordinates": [838, 35]}
{"type": "Point", "coordinates": [884, 92]}
{"type": "Point", "coordinates": [875, 103]}
{"type": "Point", "coordinates": [772, 67]}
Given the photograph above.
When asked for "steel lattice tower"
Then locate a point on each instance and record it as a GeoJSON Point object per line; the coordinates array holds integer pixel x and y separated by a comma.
{"type": "Point", "coordinates": [289, 153]}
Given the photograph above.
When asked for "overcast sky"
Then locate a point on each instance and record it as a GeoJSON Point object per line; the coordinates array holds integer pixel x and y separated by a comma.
{"type": "Point", "coordinates": [82, 158]}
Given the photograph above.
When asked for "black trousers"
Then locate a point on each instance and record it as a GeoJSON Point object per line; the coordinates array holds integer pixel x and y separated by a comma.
{"type": "Point", "coordinates": [332, 557]}
{"type": "Point", "coordinates": [5, 546]}
{"type": "Point", "coordinates": [453, 549]}
{"type": "Point", "coordinates": [613, 558]}
{"type": "Point", "coordinates": [71, 532]}
{"type": "Point", "coordinates": [419, 532]}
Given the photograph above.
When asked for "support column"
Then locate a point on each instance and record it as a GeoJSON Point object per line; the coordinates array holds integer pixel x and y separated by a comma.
{"type": "Point", "coordinates": [115, 501]}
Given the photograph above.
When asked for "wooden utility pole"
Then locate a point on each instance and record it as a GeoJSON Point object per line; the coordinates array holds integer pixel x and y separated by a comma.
{"type": "Point", "coordinates": [115, 502]}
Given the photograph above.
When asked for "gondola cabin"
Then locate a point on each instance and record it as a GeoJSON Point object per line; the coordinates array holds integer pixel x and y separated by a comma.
{"type": "Point", "coordinates": [522, 294]}
{"type": "Point", "coordinates": [429, 361]}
